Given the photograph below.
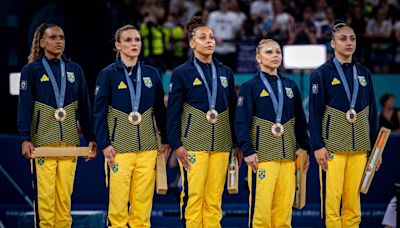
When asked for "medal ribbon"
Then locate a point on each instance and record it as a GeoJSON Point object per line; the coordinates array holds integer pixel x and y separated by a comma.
{"type": "Point", "coordinates": [58, 93]}
{"type": "Point", "coordinates": [352, 99]}
{"type": "Point", "coordinates": [212, 97]}
{"type": "Point", "coordinates": [278, 104]}
{"type": "Point", "coordinates": [135, 98]}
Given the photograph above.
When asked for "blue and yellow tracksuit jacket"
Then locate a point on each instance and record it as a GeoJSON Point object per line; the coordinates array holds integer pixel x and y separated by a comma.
{"type": "Point", "coordinates": [37, 104]}
{"type": "Point", "coordinates": [188, 105]}
{"type": "Point", "coordinates": [255, 116]}
{"type": "Point", "coordinates": [328, 126]}
{"type": "Point", "coordinates": [112, 106]}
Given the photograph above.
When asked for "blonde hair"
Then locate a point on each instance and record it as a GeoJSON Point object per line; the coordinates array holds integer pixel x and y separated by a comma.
{"type": "Point", "coordinates": [117, 35]}
{"type": "Point", "coordinates": [260, 46]}
{"type": "Point", "coordinates": [36, 49]}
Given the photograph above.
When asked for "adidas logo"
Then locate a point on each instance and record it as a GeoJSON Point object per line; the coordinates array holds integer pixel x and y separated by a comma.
{"type": "Point", "coordinates": [122, 85]}
{"type": "Point", "coordinates": [197, 82]}
{"type": "Point", "coordinates": [44, 78]}
{"type": "Point", "coordinates": [335, 81]}
{"type": "Point", "coordinates": [264, 93]}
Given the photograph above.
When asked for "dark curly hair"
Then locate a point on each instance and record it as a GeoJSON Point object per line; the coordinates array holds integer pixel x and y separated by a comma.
{"type": "Point", "coordinates": [385, 98]}
{"type": "Point", "coordinates": [195, 23]}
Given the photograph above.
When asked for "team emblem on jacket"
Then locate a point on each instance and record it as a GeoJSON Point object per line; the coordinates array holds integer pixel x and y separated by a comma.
{"type": "Point", "coordinates": [170, 86]}
{"type": "Point", "coordinates": [44, 78]}
{"type": "Point", "coordinates": [264, 93]}
{"type": "Point", "coordinates": [197, 82]}
{"type": "Point", "coordinates": [96, 91]}
{"type": "Point", "coordinates": [192, 158]}
{"type": "Point", "coordinates": [40, 160]}
{"type": "Point", "coordinates": [147, 82]}
{"type": "Point", "coordinates": [240, 101]}
{"type": "Point", "coordinates": [224, 81]}
{"type": "Point", "coordinates": [335, 81]}
{"type": "Point", "coordinates": [289, 92]}
{"type": "Point", "coordinates": [362, 80]}
{"type": "Point", "coordinates": [331, 156]}
{"type": "Point", "coordinates": [24, 85]}
{"type": "Point", "coordinates": [261, 174]}
{"type": "Point", "coordinates": [122, 85]}
{"type": "Point", "coordinates": [115, 169]}
{"type": "Point", "coordinates": [314, 88]}
{"type": "Point", "coordinates": [71, 77]}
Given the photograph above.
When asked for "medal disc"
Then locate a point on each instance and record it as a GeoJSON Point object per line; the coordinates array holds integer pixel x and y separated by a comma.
{"type": "Point", "coordinates": [135, 118]}
{"type": "Point", "coordinates": [212, 116]}
{"type": "Point", "coordinates": [60, 114]}
{"type": "Point", "coordinates": [351, 116]}
{"type": "Point", "coordinates": [277, 130]}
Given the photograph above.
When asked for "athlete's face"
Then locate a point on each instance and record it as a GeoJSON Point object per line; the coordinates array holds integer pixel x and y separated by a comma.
{"type": "Point", "coordinates": [53, 42]}
{"type": "Point", "coordinates": [129, 43]}
{"type": "Point", "coordinates": [270, 56]}
{"type": "Point", "coordinates": [344, 42]}
{"type": "Point", "coordinates": [203, 41]}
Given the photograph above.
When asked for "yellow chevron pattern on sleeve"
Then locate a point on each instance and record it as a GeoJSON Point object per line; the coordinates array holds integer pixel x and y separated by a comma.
{"type": "Point", "coordinates": [44, 78]}
{"type": "Point", "coordinates": [335, 81]}
{"type": "Point", "coordinates": [122, 85]}
{"type": "Point", "coordinates": [197, 82]}
{"type": "Point", "coordinates": [264, 93]}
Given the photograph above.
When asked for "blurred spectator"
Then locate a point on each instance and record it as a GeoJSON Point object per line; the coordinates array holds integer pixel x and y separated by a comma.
{"type": "Point", "coordinates": [176, 48]}
{"type": "Point", "coordinates": [389, 9]}
{"type": "Point", "coordinates": [155, 36]}
{"type": "Point", "coordinates": [319, 10]}
{"type": "Point", "coordinates": [396, 36]}
{"type": "Point", "coordinates": [340, 8]}
{"type": "Point", "coordinates": [249, 37]}
{"type": "Point", "coordinates": [240, 15]}
{"type": "Point", "coordinates": [226, 28]}
{"type": "Point", "coordinates": [281, 28]}
{"type": "Point", "coordinates": [389, 116]}
{"type": "Point", "coordinates": [389, 219]}
{"type": "Point", "coordinates": [261, 9]}
{"type": "Point", "coordinates": [378, 32]}
{"type": "Point", "coordinates": [324, 29]}
{"type": "Point", "coordinates": [358, 22]}
{"type": "Point", "coordinates": [190, 8]}
{"type": "Point", "coordinates": [305, 32]}
{"type": "Point", "coordinates": [123, 12]}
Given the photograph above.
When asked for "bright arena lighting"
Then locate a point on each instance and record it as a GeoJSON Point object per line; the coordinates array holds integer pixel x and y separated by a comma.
{"type": "Point", "coordinates": [14, 83]}
{"type": "Point", "coordinates": [303, 56]}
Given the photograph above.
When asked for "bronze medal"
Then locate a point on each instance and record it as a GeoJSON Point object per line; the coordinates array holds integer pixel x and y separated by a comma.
{"type": "Point", "coordinates": [277, 130]}
{"type": "Point", "coordinates": [351, 116]}
{"type": "Point", "coordinates": [212, 116]}
{"type": "Point", "coordinates": [60, 114]}
{"type": "Point", "coordinates": [135, 118]}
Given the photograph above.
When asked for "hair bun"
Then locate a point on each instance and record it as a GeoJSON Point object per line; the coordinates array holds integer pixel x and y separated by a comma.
{"type": "Point", "coordinates": [195, 22]}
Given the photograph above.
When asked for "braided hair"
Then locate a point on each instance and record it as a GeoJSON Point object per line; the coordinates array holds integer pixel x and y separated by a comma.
{"type": "Point", "coordinates": [36, 49]}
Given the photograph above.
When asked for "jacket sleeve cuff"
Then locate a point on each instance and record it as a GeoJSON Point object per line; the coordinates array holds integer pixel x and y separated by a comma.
{"type": "Point", "coordinates": [317, 146]}
{"type": "Point", "coordinates": [24, 136]}
{"type": "Point", "coordinates": [247, 151]}
{"type": "Point", "coordinates": [175, 146]}
{"type": "Point", "coordinates": [89, 138]}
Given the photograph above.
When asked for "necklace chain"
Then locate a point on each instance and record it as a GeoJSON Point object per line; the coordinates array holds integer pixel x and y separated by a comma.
{"type": "Point", "coordinates": [130, 72]}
